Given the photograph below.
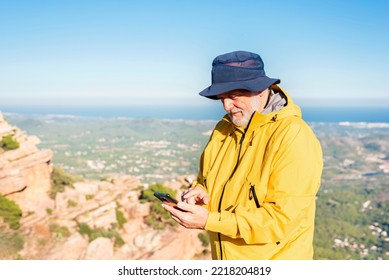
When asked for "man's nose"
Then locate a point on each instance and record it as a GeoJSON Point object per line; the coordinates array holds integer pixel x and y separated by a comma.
{"type": "Point", "coordinates": [227, 104]}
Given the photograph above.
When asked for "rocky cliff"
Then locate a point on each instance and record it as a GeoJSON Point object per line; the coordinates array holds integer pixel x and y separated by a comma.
{"type": "Point", "coordinates": [25, 171]}
{"type": "Point", "coordinates": [89, 219]}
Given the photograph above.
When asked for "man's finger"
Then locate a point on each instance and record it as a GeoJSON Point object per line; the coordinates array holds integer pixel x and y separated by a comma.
{"type": "Point", "coordinates": [190, 200]}
{"type": "Point", "coordinates": [189, 194]}
{"type": "Point", "coordinates": [172, 209]}
{"type": "Point", "coordinates": [206, 199]}
{"type": "Point", "coordinates": [186, 206]}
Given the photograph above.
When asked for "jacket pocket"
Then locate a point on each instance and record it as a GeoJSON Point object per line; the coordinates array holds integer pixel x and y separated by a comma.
{"type": "Point", "coordinates": [253, 195]}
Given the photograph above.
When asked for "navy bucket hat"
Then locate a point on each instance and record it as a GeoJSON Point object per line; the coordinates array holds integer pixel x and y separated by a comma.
{"type": "Point", "coordinates": [237, 70]}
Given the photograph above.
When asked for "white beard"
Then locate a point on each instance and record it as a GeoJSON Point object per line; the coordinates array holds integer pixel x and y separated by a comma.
{"type": "Point", "coordinates": [246, 116]}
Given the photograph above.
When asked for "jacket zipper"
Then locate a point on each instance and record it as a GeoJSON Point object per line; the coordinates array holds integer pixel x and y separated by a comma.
{"type": "Point", "coordinates": [224, 187]}
{"type": "Point", "coordinates": [253, 194]}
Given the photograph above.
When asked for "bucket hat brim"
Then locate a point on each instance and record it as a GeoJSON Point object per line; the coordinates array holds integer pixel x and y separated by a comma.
{"type": "Point", "coordinates": [256, 85]}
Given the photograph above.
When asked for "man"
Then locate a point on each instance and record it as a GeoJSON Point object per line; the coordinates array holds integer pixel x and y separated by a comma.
{"type": "Point", "coordinates": [260, 171]}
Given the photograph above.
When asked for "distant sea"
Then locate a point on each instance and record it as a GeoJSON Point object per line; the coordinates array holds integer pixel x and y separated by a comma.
{"type": "Point", "coordinates": [195, 112]}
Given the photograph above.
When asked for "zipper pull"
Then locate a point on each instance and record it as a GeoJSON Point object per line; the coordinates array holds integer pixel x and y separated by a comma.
{"type": "Point", "coordinates": [253, 194]}
{"type": "Point", "coordinates": [251, 139]}
{"type": "Point", "coordinates": [241, 139]}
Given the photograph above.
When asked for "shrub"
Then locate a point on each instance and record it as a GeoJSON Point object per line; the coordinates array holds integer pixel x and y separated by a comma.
{"type": "Point", "coordinates": [10, 244]}
{"type": "Point", "coordinates": [59, 232]}
{"type": "Point", "coordinates": [120, 218]}
{"type": "Point", "coordinates": [8, 143]}
{"type": "Point", "coordinates": [148, 194]}
{"type": "Point", "coordinates": [72, 203]}
{"type": "Point", "coordinates": [204, 238]}
{"type": "Point", "coordinates": [85, 229]}
{"type": "Point", "coordinates": [10, 212]}
{"type": "Point", "coordinates": [59, 180]}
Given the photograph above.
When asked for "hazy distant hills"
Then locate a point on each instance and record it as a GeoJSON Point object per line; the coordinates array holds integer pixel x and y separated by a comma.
{"type": "Point", "coordinates": [154, 150]}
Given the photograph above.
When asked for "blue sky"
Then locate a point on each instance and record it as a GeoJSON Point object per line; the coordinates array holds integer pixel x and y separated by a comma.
{"type": "Point", "coordinates": [160, 52]}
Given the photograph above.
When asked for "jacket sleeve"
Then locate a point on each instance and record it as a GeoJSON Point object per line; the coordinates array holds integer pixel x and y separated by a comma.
{"type": "Point", "coordinates": [292, 186]}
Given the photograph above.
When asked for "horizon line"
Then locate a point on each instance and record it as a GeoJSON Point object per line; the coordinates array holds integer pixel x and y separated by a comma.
{"type": "Point", "coordinates": [186, 102]}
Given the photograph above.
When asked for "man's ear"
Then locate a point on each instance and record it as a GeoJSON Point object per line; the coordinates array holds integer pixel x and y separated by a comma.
{"type": "Point", "coordinates": [264, 92]}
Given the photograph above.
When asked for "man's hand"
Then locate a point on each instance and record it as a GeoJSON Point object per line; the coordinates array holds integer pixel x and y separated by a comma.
{"type": "Point", "coordinates": [195, 216]}
{"type": "Point", "coordinates": [196, 195]}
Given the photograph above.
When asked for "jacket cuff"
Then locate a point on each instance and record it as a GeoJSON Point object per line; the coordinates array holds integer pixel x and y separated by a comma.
{"type": "Point", "coordinates": [197, 184]}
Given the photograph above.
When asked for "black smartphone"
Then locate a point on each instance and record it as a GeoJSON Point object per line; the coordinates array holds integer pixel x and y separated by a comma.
{"type": "Point", "coordinates": [165, 197]}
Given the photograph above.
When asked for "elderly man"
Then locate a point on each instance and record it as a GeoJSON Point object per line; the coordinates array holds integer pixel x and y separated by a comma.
{"type": "Point", "coordinates": [260, 171]}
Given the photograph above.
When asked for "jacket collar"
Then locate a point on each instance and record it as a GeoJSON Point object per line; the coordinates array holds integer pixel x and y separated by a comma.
{"type": "Point", "coordinates": [290, 109]}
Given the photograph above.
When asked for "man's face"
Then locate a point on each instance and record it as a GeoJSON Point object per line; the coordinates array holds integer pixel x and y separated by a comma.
{"type": "Point", "coordinates": [240, 105]}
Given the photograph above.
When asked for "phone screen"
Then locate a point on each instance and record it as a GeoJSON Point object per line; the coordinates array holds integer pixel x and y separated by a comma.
{"type": "Point", "coordinates": [165, 197]}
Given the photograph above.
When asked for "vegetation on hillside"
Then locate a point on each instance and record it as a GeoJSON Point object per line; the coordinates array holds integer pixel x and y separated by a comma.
{"type": "Point", "coordinates": [158, 217]}
{"type": "Point", "coordinates": [11, 242]}
{"type": "Point", "coordinates": [94, 233]}
{"type": "Point", "coordinates": [352, 222]}
{"type": "Point", "coordinates": [8, 143]}
{"type": "Point", "coordinates": [204, 238]}
{"type": "Point", "coordinates": [10, 212]}
{"type": "Point", "coordinates": [59, 180]}
{"type": "Point", "coordinates": [121, 219]}
{"type": "Point", "coordinates": [59, 232]}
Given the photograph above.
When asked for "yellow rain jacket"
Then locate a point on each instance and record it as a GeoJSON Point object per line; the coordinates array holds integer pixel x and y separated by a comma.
{"type": "Point", "coordinates": [263, 184]}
